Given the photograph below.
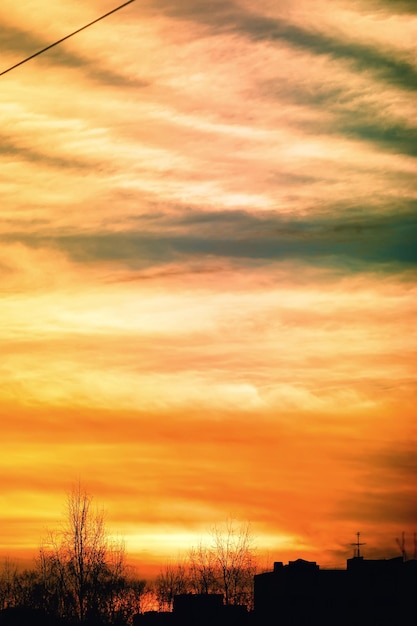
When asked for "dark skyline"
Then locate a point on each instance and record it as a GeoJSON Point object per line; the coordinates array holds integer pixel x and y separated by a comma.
{"type": "Point", "coordinates": [207, 272]}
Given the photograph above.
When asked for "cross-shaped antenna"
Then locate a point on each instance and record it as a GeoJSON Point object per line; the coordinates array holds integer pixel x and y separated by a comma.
{"type": "Point", "coordinates": [357, 545]}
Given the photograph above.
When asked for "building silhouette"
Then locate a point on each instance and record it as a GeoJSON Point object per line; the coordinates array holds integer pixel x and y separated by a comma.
{"type": "Point", "coordinates": [197, 609]}
{"type": "Point", "coordinates": [378, 592]}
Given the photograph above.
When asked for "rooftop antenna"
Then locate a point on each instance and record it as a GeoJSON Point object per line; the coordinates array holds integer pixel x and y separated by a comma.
{"type": "Point", "coordinates": [401, 545]}
{"type": "Point", "coordinates": [357, 544]}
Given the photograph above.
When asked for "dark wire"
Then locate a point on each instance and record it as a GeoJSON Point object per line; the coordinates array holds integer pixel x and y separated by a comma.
{"type": "Point", "coordinates": [66, 37]}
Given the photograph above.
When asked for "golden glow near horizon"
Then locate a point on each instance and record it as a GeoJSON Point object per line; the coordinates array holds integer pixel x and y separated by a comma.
{"type": "Point", "coordinates": [207, 261]}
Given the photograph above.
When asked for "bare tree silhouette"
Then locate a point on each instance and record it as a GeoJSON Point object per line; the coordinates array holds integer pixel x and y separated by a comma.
{"type": "Point", "coordinates": [171, 581]}
{"type": "Point", "coordinates": [84, 573]}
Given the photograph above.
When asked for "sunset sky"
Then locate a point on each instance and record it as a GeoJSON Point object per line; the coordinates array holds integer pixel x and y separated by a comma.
{"type": "Point", "coordinates": [208, 272]}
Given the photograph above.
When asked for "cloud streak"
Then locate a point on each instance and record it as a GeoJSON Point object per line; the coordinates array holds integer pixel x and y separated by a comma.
{"type": "Point", "coordinates": [351, 244]}
{"type": "Point", "coordinates": [232, 17]}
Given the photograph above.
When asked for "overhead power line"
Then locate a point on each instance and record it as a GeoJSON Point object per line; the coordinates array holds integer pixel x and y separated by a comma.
{"type": "Point", "coordinates": [32, 56]}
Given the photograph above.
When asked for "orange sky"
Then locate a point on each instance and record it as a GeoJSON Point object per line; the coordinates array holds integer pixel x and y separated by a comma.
{"type": "Point", "coordinates": [207, 257]}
